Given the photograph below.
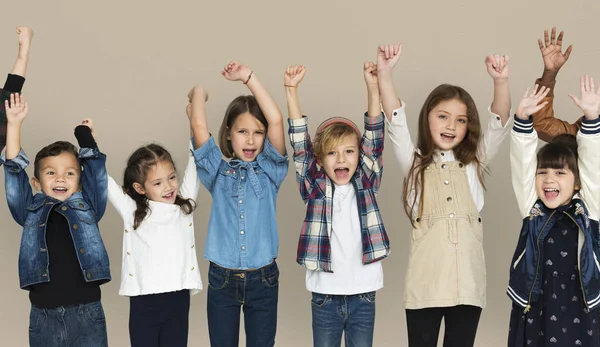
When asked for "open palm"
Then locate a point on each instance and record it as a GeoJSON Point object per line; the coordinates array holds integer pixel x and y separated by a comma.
{"type": "Point", "coordinates": [551, 50]}
{"type": "Point", "coordinates": [589, 102]}
{"type": "Point", "coordinates": [16, 109]}
{"type": "Point", "coordinates": [530, 103]}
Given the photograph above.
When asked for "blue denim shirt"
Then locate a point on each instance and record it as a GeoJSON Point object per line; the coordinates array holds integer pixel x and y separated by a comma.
{"type": "Point", "coordinates": [242, 231]}
{"type": "Point", "coordinates": [83, 210]}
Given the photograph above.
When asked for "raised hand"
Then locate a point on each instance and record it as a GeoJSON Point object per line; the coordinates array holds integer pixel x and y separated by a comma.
{"type": "Point", "coordinates": [497, 66]}
{"type": "Point", "coordinates": [589, 102]}
{"type": "Point", "coordinates": [530, 103]}
{"type": "Point", "coordinates": [195, 94]}
{"type": "Point", "coordinates": [293, 75]}
{"type": "Point", "coordinates": [551, 50]}
{"type": "Point", "coordinates": [387, 57]}
{"type": "Point", "coordinates": [235, 71]}
{"type": "Point", "coordinates": [16, 109]}
{"type": "Point", "coordinates": [25, 35]}
{"type": "Point", "coordinates": [370, 72]}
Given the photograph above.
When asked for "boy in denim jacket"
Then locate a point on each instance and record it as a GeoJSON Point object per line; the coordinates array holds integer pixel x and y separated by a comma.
{"type": "Point", "coordinates": [62, 259]}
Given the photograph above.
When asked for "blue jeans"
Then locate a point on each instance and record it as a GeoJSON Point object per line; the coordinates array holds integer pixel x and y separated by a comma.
{"type": "Point", "coordinates": [77, 326]}
{"type": "Point", "coordinates": [257, 291]}
{"type": "Point", "coordinates": [354, 315]}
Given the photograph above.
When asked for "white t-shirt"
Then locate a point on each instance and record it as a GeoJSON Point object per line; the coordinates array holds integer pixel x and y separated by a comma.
{"type": "Point", "coordinates": [349, 275]}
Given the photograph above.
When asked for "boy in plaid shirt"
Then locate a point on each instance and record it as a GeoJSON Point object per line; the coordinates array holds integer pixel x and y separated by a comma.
{"type": "Point", "coordinates": [343, 238]}
{"type": "Point", "coordinates": [16, 79]}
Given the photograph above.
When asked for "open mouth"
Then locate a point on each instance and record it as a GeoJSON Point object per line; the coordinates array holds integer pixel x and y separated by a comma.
{"type": "Point", "coordinates": [341, 173]}
{"type": "Point", "coordinates": [447, 137]}
{"type": "Point", "coordinates": [169, 196]}
{"type": "Point", "coordinates": [249, 153]}
{"type": "Point", "coordinates": [59, 190]}
{"type": "Point", "coordinates": [551, 193]}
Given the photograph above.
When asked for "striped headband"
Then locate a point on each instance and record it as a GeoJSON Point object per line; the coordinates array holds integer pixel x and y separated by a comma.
{"type": "Point", "coordinates": [335, 120]}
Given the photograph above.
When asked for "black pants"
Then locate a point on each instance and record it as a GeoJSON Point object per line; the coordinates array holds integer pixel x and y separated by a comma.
{"type": "Point", "coordinates": [460, 326]}
{"type": "Point", "coordinates": [159, 320]}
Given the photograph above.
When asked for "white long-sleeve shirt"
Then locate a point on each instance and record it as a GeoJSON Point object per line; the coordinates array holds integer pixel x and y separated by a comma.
{"type": "Point", "coordinates": [160, 255]}
{"type": "Point", "coordinates": [404, 149]}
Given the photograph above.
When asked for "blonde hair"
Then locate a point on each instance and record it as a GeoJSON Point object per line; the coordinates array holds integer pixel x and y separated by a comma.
{"type": "Point", "coordinates": [332, 136]}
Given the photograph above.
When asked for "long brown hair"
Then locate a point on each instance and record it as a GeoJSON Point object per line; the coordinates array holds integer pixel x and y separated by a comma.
{"type": "Point", "coordinates": [138, 165]}
{"type": "Point", "coordinates": [238, 106]}
{"type": "Point", "coordinates": [465, 152]}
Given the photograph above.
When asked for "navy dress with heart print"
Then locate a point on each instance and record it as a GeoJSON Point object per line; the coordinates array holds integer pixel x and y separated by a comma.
{"type": "Point", "coordinates": [559, 317]}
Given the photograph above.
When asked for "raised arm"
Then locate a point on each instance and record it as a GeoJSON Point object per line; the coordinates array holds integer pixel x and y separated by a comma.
{"type": "Point", "coordinates": [291, 78]}
{"type": "Point", "coordinates": [387, 58]}
{"type": "Point", "coordinates": [497, 67]}
{"type": "Point", "coordinates": [17, 187]}
{"type": "Point", "coordinates": [373, 137]}
{"type": "Point", "coordinates": [94, 181]}
{"type": "Point", "coordinates": [235, 71]}
{"type": "Point", "coordinates": [196, 112]}
{"type": "Point", "coordinates": [523, 149]}
{"type": "Point", "coordinates": [553, 57]}
{"type": "Point", "coordinates": [588, 141]}
{"type": "Point", "coordinates": [304, 159]}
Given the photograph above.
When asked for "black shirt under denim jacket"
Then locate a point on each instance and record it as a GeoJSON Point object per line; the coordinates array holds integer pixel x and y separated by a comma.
{"type": "Point", "coordinates": [79, 217]}
{"type": "Point", "coordinates": [526, 265]}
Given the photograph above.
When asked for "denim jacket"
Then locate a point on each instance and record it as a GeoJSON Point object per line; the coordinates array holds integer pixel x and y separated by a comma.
{"type": "Point", "coordinates": [83, 210]}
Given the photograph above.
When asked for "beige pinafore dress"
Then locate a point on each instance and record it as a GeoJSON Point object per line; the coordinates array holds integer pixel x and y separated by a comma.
{"type": "Point", "coordinates": [446, 264]}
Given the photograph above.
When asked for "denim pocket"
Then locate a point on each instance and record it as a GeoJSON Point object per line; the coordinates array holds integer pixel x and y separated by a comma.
{"type": "Point", "coordinates": [226, 181]}
{"type": "Point", "coordinates": [271, 280]}
{"type": "Point", "coordinates": [94, 313]}
{"type": "Point", "coordinates": [368, 297]}
{"type": "Point", "coordinates": [320, 300]}
{"type": "Point", "coordinates": [216, 281]}
{"type": "Point", "coordinates": [83, 211]}
{"type": "Point", "coordinates": [35, 322]}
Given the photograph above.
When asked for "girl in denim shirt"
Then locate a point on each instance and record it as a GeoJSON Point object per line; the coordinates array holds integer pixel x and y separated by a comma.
{"type": "Point", "coordinates": [242, 241]}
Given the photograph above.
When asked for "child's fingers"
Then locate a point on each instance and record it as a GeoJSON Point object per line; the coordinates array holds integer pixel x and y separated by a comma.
{"type": "Point", "coordinates": [553, 36]}
{"type": "Point", "coordinates": [540, 44]}
{"type": "Point", "coordinates": [546, 40]}
{"type": "Point", "coordinates": [527, 92]}
{"type": "Point", "coordinates": [559, 39]}
{"type": "Point", "coordinates": [575, 99]}
{"type": "Point", "coordinates": [592, 86]}
{"type": "Point", "coordinates": [568, 52]}
{"type": "Point", "coordinates": [539, 107]}
{"type": "Point", "coordinates": [387, 52]}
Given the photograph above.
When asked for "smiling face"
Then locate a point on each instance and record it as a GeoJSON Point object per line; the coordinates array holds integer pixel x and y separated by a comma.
{"type": "Point", "coordinates": [161, 184]}
{"type": "Point", "coordinates": [448, 124]}
{"type": "Point", "coordinates": [555, 187]}
{"type": "Point", "coordinates": [58, 176]}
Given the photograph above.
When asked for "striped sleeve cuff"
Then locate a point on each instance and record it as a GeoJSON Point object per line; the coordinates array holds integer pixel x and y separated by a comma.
{"type": "Point", "coordinates": [590, 127]}
{"type": "Point", "coordinates": [523, 126]}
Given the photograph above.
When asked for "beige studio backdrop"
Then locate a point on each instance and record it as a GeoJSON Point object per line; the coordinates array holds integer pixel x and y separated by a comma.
{"type": "Point", "coordinates": [129, 65]}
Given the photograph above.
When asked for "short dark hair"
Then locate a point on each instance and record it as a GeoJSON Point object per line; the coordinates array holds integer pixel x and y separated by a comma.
{"type": "Point", "coordinates": [559, 153]}
{"type": "Point", "coordinates": [53, 150]}
{"type": "Point", "coordinates": [239, 105]}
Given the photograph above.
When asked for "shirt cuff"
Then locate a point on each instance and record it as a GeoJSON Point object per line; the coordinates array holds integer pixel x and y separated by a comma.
{"type": "Point", "coordinates": [373, 121]}
{"type": "Point", "coordinates": [84, 137]}
{"type": "Point", "coordinates": [398, 116]}
{"type": "Point", "coordinates": [14, 83]}
{"type": "Point", "coordinates": [590, 127]}
{"type": "Point", "coordinates": [496, 120]}
{"type": "Point", "coordinates": [523, 126]}
{"type": "Point", "coordinates": [16, 164]}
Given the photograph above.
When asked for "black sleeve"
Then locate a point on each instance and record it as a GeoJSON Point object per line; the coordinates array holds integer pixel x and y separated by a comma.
{"type": "Point", "coordinates": [84, 136]}
{"type": "Point", "coordinates": [14, 83]}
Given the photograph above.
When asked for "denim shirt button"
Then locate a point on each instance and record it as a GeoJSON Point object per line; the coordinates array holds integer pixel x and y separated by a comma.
{"type": "Point", "coordinates": [88, 275]}
{"type": "Point", "coordinates": [82, 250]}
{"type": "Point", "coordinates": [44, 275]}
{"type": "Point", "coordinates": [42, 250]}
{"type": "Point", "coordinates": [64, 208]}
{"type": "Point", "coordinates": [241, 216]}
{"type": "Point", "coordinates": [75, 226]}
{"type": "Point", "coordinates": [42, 225]}
{"type": "Point", "coordinates": [242, 232]}
{"type": "Point", "coordinates": [240, 201]}
{"type": "Point", "coordinates": [243, 248]}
